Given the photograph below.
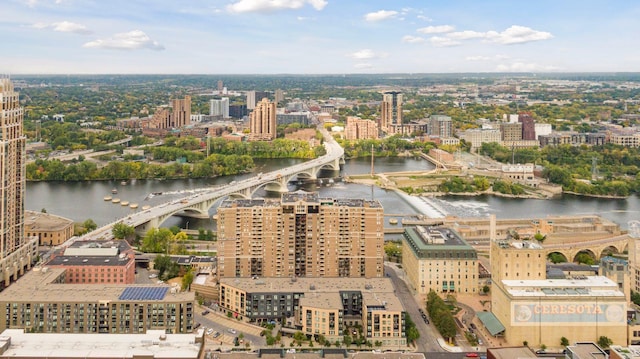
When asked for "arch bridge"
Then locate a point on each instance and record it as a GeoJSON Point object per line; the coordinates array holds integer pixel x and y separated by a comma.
{"type": "Point", "coordinates": [200, 203]}
{"type": "Point", "coordinates": [595, 248]}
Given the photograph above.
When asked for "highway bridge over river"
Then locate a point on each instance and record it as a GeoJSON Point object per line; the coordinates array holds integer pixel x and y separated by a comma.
{"type": "Point", "coordinates": [200, 203]}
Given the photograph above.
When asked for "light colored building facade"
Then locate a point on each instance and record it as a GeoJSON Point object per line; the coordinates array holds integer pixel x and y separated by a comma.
{"type": "Point", "coordinates": [476, 137]}
{"type": "Point", "coordinates": [626, 140]}
{"type": "Point", "coordinates": [390, 110]}
{"type": "Point", "coordinates": [359, 129]}
{"type": "Point", "coordinates": [42, 301]}
{"type": "Point", "coordinates": [50, 230]}
{"type": "Point", "coordinates": [521, 173]}
{"type": "Point", "coordinates": [320, 306]}
{"type": "Point", "coordinates": [540, 311]}
{"type": "Point", "coordinates": [278, 96]}
{"type": "Point", "coordinates": [219, 107]}
{"type": "Point", "coordinates": [17, 252]}
{"type": "Point", "coordinates": [511, 131]}
{"type": "Point", "coordinates": [262, 121]}
{"type": "Point", "coordinates": [439, 259]}
{"type": "Point", "coordinates": [301, 235]}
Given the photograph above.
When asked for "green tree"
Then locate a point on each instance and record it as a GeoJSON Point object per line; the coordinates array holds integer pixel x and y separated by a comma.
{"type": "Point", "coordinates": [604, 342]}
{"type": "Point", "coordinates": [564, 341]}
{"type": "Point", "coordinates": [89, 225]}
{"type": "Point", "coordinates": [187, 279]}
{"type": "Point", "coordinates": [123, 231]}
{"type": "Point", "coordinates": [585, 258]}
{"type": "Point", "coordinates": [347, 340]}
{"type": "Point", "coordinates": [556, 258]}
{"type": "Point", "coordinates": [157, 240]}
{"type": "Point", "coordinates": [539, 237]}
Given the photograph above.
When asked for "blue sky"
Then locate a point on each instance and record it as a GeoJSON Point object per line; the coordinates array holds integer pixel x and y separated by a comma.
{"type": "Point", "coordinates": [318, 36]}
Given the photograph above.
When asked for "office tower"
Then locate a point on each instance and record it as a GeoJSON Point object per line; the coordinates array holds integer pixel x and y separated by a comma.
{"type": "Point", "coordinates": [181, 114]}
{"type": "Point", "coordinates": [511, 131]}
{"type": "Point", "coordinates": [263, 121]}
{"type": "Point", "coordinates": [391, 110]}
{"type": "Point", "coordinates": [251, 100]}
{"type": "Point", "coordinates": [16, 251]}
{"type": "Point", "coordinates": [219, 107]}
{"type": "Point", "coordinates": [528, 126]}
{"type": "Point", "coordinates": [220, 87]}
{"type": "Point", "coordinates": [440, 125]}
{"type": "Point", "coordinates": [301, 235]}
{"type": "Point", "coordinates": [279, 96]}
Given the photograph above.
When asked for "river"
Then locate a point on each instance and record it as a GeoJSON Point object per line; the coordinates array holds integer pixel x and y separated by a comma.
{"type": "Point", "coordinates": [83, 200]}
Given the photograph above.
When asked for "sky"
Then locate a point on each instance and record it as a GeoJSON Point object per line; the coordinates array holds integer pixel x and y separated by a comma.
{"type": "Point", "coordinates": [318, 36]}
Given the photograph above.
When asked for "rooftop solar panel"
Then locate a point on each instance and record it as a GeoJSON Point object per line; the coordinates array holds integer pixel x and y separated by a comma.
{"type": "Point", "coordinates": [143, 293]}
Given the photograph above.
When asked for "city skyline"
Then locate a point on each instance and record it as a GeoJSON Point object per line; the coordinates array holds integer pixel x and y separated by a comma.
{"type": "Point", "coordinates": [317, 36]}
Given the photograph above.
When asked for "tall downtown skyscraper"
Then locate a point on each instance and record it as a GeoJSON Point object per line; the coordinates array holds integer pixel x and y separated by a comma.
{"type": "Point", "coordinates": [391, 110]}
{"type": "Point", "coordinates": [16, 251]}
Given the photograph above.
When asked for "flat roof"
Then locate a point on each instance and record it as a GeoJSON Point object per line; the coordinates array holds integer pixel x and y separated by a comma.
{"type": "Point", "coordinates": [153, 343]}
{"type": "Point", "coordinates": [306, 285]}
{"type": "Point", "coordinates": [112, 261]}
{"type": "Point", "coordinates": [301, 196]}
{"type": "Point", "coordinates": [41, 285]}
{"type": "Point", "coordinates": [491, 322]}
{"type": "Point", "coordinates": [423, 240]}
{"type": "Point", "coordinates": [39, 221]}
{"type": "Point", "coordinates": [587, 351]}
{"type": "Point", "coordinates": [512, 353]}
{"type": "Point", "coordinates": [589, 286]}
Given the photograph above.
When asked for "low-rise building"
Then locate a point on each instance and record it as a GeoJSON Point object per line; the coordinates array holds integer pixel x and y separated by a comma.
{"type": "Point", "coordinates": [92, 262]}
{"type": "Point", "coordinates": [50, 230]}
{"type": "Point", "coordinates": [439, 259]}
{"type": "Point", "coordinates": [323, 306]}
{"type": "Point", "coordinates": [16, 343]}
{"type": "Point", "coordinates": [587, 350]}
{"type": "Point", "coordinates": [42, 301]}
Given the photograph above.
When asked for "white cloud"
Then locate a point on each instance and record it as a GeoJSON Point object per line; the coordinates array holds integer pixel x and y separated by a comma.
{"type": "Point", "coordinates": [477, 58]}
{"type": "Point", "coordinates": [380, 15]}
{"type": "Point", "coordinates": [363, 54]}
{"type": "Point", "coordinates": [412, 39]}
{"type": "Point", "coordinates": [517, 35]}
{"type": "Point", "coordinates": [486, 58]}
{"type": "Point", "coordinates": [440, 41]}
{"type": "Point", "coordinates": [34, 3]}
{"type": "Point", "coordinates": [363, 66]}
{"type": "Point", "coordinates": [424, 18]}
{"type": "Point", "coordinates": [466, 35]}
{"type": "Point", "coordinates": [273, 5]}
{"type": "Point", "coordinates": [436, 29]}
{"type": "Point", "coordinates": [63, 26]}
{"type": "Point", "coordinates": [131, 40]}
{"type": "Point", "coordinates": [524, 67]}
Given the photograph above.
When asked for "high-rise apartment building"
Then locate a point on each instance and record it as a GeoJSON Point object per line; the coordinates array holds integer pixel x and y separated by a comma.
{"type": "Point", "coordinates": [220, 86]}
{"type": "Point", "coordinates": [179, 115]}
{"type": "Point", "coordinates": [440, 125]}
{"type": "Point", "coordinates": [262, 121]}
{"type": "Point", "coordinates": [391, 110]}
{"type": "Point", "coordinates": [528, 126]}
{"type": "Point", "coordinates": [302, 235]}
{"type": "Point", "coordinates": [16, 251]}
{"type": "Point", "coordinates": [511, 131]}
{"type": "Point", "coordinates": [219, 107]}
{"type": "Point", "coordinates": [359, 129]}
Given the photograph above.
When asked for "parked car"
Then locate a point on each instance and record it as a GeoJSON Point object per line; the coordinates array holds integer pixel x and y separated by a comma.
{"type": "Point", "coordinates": [205, 312]}
{"type": "Point", "coordinates": [471, 355]}
{"type": "Point", "coordinates": [209, 331]}
{"type": "Point", "coordinates": [232, 331]}
{"type": "Point", "coordinates": [216, 334]}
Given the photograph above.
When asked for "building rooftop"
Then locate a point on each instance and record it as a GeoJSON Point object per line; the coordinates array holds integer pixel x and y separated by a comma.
{"type": "Point", "coordinates": [111, 261]}
{"type": "Point", "coordinates": [309, 285]}
{"type": "Point", "coordinates": [589, 286]}
{"type": "Point", "coordinates": [152, 344]}
{"type": "Point", "coordinates": [46, 284]}
{"type": "Point", "coordinates": [423, 240]}
{"type": "Point", "coordinates": [515, 244]}
{"type": "Point", "coordinates": [630, 352]}
{"type": "Point", "coordinates": [512, 353]}
{"type": "Point", "coordinates": [586, 351]}
{"type": "Point", "coordinates": [300, 196]}
{"type": "Point", "coordinates": [39, 221]}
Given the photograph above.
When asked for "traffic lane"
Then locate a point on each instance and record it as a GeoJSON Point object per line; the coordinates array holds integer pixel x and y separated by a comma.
{"type": "Point", "coordinates": [428, 339]}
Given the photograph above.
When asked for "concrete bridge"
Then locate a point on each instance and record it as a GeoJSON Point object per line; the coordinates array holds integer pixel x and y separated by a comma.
{"type": "Point", "coordinates": [596, 248]}
{"type": "Point", "coordinates": [198, 205]}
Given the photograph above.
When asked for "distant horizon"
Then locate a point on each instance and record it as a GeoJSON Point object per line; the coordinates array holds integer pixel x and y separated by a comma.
{"type": "Point", "coordinates": [318, 36]}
